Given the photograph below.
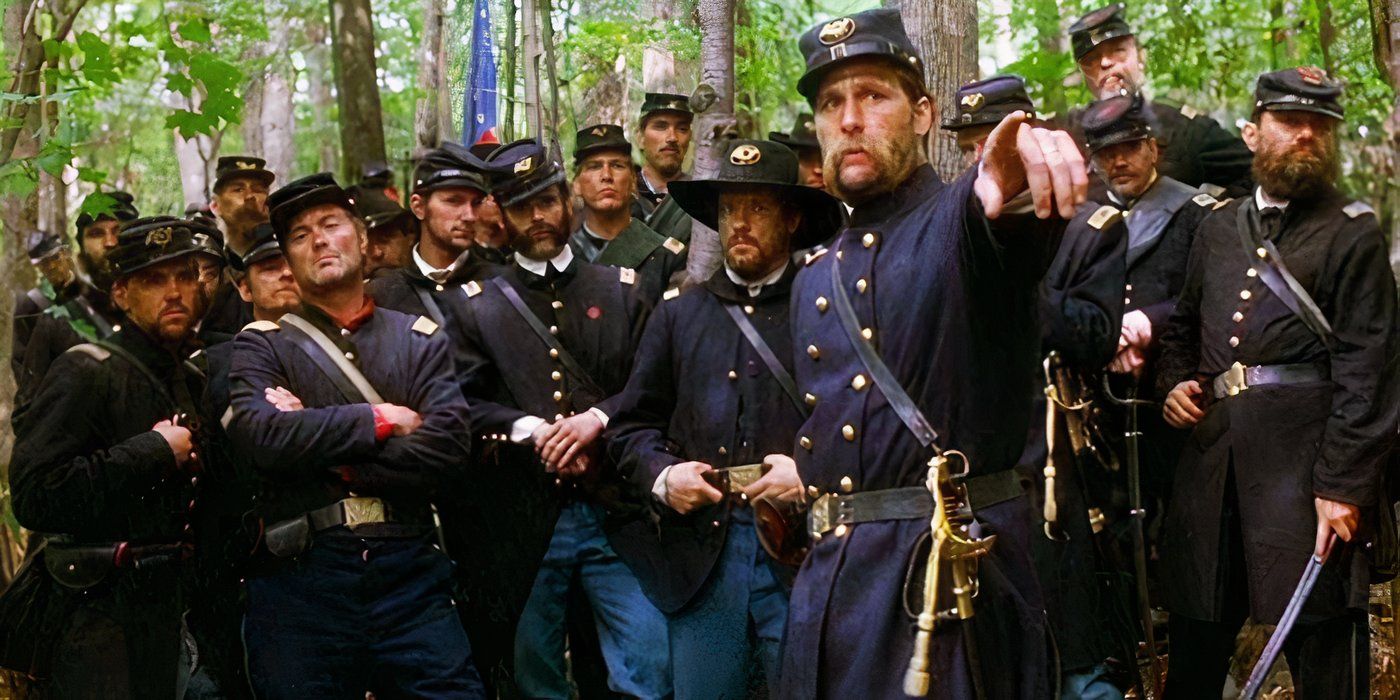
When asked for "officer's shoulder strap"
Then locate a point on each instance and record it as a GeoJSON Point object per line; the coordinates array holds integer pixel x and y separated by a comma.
{"type": "Point", "coordinates": [1221, 203]}
{"type": "Point", "coordinates": [1357, 208]}
{"type": "Point", "coordinates": [814, 255]}
{"type": "Point", "coordinates": [627, 275]}
{"type": "Point", "coordinates": [1104, 217]}
{"type": "Point", "coordinates": [1204, 200]}
{"type": "Point", "coordinates": [671, 293]}
{"type": "Point", "coordinates": [425, 325]}
{"type": "Point", "coordinates": [674, 245]}
{"type": "Point", "coordinates": [93, 350]}
{"type": "Point", "coordinates": [262, 326]}
{"type": "Point", "coordinates": [1189, 112]}
{"type": "Point", "coordinates": [471, 288]}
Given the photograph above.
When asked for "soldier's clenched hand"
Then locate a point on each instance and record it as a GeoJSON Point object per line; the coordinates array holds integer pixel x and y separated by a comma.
{"type": "Point", "coordinates": [781, 483]}
{"type": "Point", "coordinates": [686, 490]}
{"type": "Point", "coordinates": [1180, 409]}
{"type": "Point", "coordinates": [571, 435]}
{"type": "Point", "coordinates": [405, 420]}
{"type": "Point", "coordinates": [1334, 516]}
{"type": "Point", "coordinates": [1021, 157]}
{"type": "Point", "coordinates": [178, 437]}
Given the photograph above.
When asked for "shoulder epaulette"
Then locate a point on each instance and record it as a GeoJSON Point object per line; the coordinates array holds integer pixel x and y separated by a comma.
{"type": "Point", "coordinates": [1204, 200]}
{"type": "Point", "coordinates": [671, 293]}
{"type": "Point", "coordinates": [627, 275]}
{"type": "Point", "coordinates": [425, 325]}
{"type": "Point", "coordinates": [673, 245]}
{"type": "Point", "coordinates": [471, 288]}
{"type": "Point", "coordinates": [93, 350]}
{"type": "Point", "coordinates": [814, 255]}
{"type": "Point", "coordinates": [1357, 208]}
{"type": "Point", "coordinates": [1105, 216]}
{"type": "Point", "coordinates": [1221, 203]}
{"type": "Point", "coordinates": [1212, 189]}
{"type": "Point", "coordinates": [1189, 112]}
{"type": "Point", "coordinates": [263, 326]}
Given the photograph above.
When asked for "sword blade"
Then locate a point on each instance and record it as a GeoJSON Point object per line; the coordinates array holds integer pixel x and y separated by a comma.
{"type": "Point", "coordinates": [1261, 670]}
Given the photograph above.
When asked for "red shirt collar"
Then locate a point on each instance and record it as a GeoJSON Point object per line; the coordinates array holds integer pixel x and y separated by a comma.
{"type": "Point", "coordinates": [359, 318]}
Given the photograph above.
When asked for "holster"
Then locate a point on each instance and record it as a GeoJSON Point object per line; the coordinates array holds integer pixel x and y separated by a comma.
{"type": "Point", "coordinates": [288, 538]}
{"type": "Point", "coordinates": [80, 567]}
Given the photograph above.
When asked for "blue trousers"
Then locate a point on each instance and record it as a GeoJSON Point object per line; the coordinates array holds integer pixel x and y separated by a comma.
{"type": "Point", "coordinates": [352, 615]}
{"type": "Point", "coordinates": [739, 613]}
{"type": "Point", "coordinates": [631, 631]}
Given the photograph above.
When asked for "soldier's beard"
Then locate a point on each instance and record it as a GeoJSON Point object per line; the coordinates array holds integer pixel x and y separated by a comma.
{"type": "Point", "coordinates": [892, 159]}
{"type": "Point", "coordinates": [539, 247]}
{"type": "Point", "coordinates": [1297, 173]}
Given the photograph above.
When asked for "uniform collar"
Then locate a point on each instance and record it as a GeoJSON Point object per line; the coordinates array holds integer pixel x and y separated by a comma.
{"type": "Point", "coordinates": [560, 262]}
{"type": "Point", "coordinates": [1145, 196]}
{"type": "Point", "coordinates": [1264, 201]}
{"type": "Point", "coordinates": [319, 317]}
{"type": "Point", "coordinates": [433, 273]}
{"type": "Point", "coordinates": [908, 194]}
{"type": "Point", "coordinates": [755, 287]}
{"type": "Point", "coordinates": [722, 285]}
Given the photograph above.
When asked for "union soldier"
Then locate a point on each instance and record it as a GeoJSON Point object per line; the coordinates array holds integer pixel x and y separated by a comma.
{"type": "Point", "coordinates": [544, 351]}
{"type": "Point", "coordinates": [1280, 358]}
{"type": "Point", "coordinates": [104, 467]}
{"type": "Point", "coordinates": [352, 419]}
{"type": "Point", "coordinates": [377, 175]}
{"type": "Point", "coordinates": [663, 135]}
{"type": "Point", "coordinates": [391, 231]}
{"type": "Point", "coordinates": [803, 141]}
{"type": "Point", "coordinates": [447, 189]}
{"type": "Point", "coordinates": [44, 326]}
{"type": "Point", "coordinates": [605, 179]}
{"type": "Point", "coordinates": [240, 202]}
{"type": "Point", "coordinates": [704, 396]}
{"type": "Point", "coordinates": [1080, 311]}
{"type": "Point", "coordinates": [1194, 148]}
{"type": "Point", "coordinates": [491, 235]}
{"type": "Point", "coordinates": [940, 279]}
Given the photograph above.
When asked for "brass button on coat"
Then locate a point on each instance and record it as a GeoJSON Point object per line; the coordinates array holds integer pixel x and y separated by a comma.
{"type": "Point", "coordinates": [847, 484]}
{"type": "Point", "coordinates": [805, 442]}
{"type": "Point", "coordinates": [813, 352]}
{"type": "Point", "coordinates": [858, 382]}
{"type": "Point", "coordinates": [867, 240]}
{"type": "Point", "coordinates": [821, 303]}
{"type": "Point", "coordinates": [849, 432]}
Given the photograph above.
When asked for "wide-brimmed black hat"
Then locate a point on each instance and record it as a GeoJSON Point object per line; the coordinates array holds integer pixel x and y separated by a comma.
{"type": "Point", "coordinates": [1301, 89]}
{"type": "Point", "coordinates": [110, 205]}
{"type": "Point", "coordinates": [43, 246]}
{"type": "Point", "coordinates": [449, 165]}
{"type": "Point", "coordinates": [1115, 120]}
{"type": "Point", "coordinates": [1097, 27]}
{"type": "Point", "coordinates": [987, 102]}
{"type": "Point", "coordinates": [756, 163]}
{"type": "Point", "coordinates": [871, 33]}
{"type": "Point", "coordinates": [664, 102]}
{"type": "Point", "coordinates": [233, 167]}
{"type": "Point", "coordinates": [297, 196]}
{"type": "Point", "coordinates": [154, 239]}
{"type": "Point", "coordinates": [600, 137]}
{"type": "Point", "coordinates": [264, 246]}
{"type": "Point", "coordinates": [803, 134]}
{"type": "Point", "coordinates": [522, 169]}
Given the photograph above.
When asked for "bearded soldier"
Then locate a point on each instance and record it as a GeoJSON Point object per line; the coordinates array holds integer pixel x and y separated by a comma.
{"type": "Point", "coordinates": [1280, 358]}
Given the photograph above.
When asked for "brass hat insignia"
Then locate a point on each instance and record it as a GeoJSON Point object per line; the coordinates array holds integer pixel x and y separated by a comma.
{"type": "Point", "coordinates": [1312, 75]}
{"type": "Point", "coordinates": [837, 30]}
{"type": "Point", "coordinates": [160, 237]}
{"type": "Point", "coordinates": [245, 165]}
{"type": "Point", "coordinates": [746, 154]}
{"type": "Point", "coordinates": [599, 131]}
{"type": "Point", "coordinates": [974, 101]}
{"type": "Point", "coordinates": [524, 164]}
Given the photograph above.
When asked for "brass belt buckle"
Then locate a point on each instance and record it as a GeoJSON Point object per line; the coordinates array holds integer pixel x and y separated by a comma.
{"type": "Point", "coordinates": [743, 477]}
{"type": "Point", "coordinates": [1235, 380]}
{"type": "Point", "coordinates": [819, 517]}
{"type": "Point", "coordinates": [360, 510]}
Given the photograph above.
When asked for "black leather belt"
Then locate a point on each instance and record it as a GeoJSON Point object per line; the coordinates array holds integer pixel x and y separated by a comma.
{"type": "Point", "coordinates": [908, 503]}
{"type": "Point", "coordinates": [1240, 378]}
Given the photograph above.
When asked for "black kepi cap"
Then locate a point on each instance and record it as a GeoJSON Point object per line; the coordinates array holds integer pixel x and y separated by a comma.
{"type": "Point", "coordinates": [1115, 120]}
{"type": "Point", "coordinates": [1097, 27]}
{"type": "Point", "coordinates": [522, 169]}
{"type": "Point", "coordinates": [233, 167]}
{"type": "Point", "coordinates": [987, 102]}
{"type": "Point", "coordinates": [297, 196]}
{"type": "Point", "coordinates": [154, 239]}
{"type": "Point", "coordinates": [1302, 89]}
{"type": "Point", "coordinates": [877, 32]}
{"type": "Point", "coordinates": [803, 134]}
{"type": "Point", "coordinates": [600, 137]}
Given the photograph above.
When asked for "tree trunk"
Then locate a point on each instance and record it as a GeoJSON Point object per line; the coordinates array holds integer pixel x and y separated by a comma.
{"type": "Point", "coordinates": [507, 77]}
{"type": "Point", "coordinates": [532, 49]}
{"type": "Point", "coordinates": [357, 86]}
{"type": "Point", "coordinates": [714, 119]}
{"type": "Point", "coordinates": [945, 33]}
{"type": "Point", "coordinates": [318, 66]}
{"type": "Point", "coordinates": [661, 72]}
{"type": "Point", "coordinates": [427, 118]}
{"type": "Point", "coordinates": [1385, 42]}
{"type": "Point", "coordinates": [253, 101]}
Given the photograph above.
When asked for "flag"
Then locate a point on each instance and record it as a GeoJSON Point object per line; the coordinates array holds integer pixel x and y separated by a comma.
{"type": "Point", "coordinates": [479, 102]}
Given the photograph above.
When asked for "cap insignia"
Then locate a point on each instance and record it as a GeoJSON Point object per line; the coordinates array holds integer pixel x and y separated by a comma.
{"type": "Point", "coordinates": [974, 101]}
{"type": "Point", "coordinates": [837, 30]}
{"type": "Point", "coordinates": [745, 154]}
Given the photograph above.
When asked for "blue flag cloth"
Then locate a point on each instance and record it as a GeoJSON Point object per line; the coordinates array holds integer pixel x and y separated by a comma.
{"type": "Point", "coordinates": [479, 103]}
